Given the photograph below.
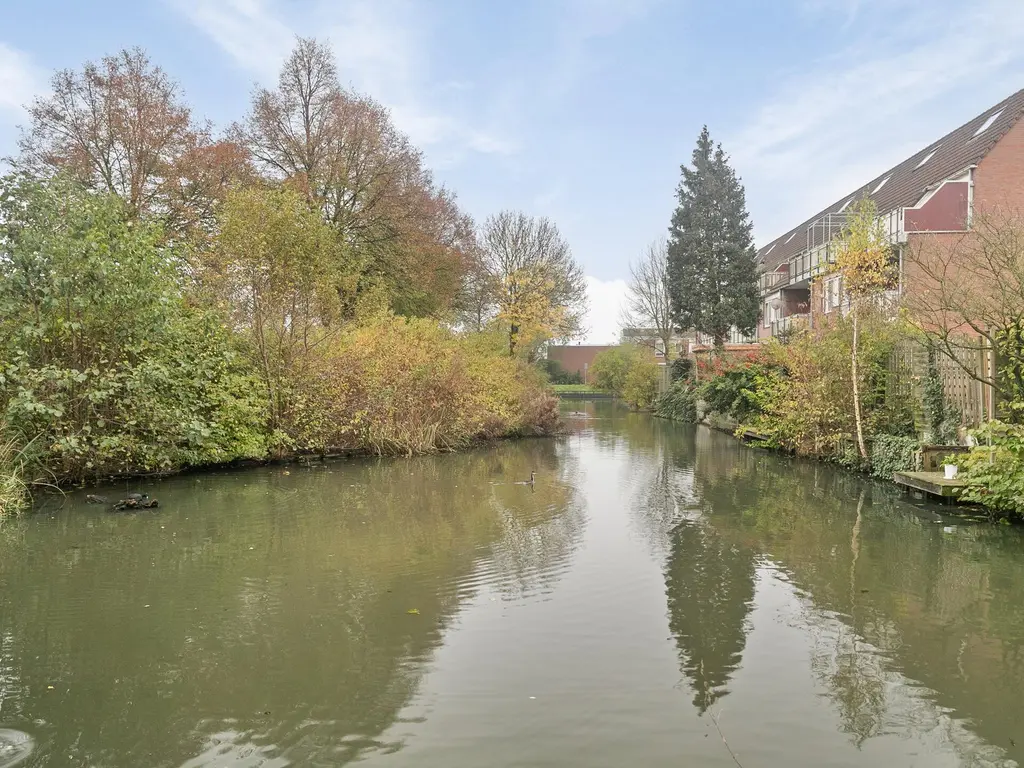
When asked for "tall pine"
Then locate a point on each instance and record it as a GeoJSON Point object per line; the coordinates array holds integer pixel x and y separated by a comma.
{"type": "Point", "coordinates": [711, 268]}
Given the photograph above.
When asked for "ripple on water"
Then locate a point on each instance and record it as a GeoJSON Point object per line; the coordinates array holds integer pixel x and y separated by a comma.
{"type": "Point", "coordinates": [15, 747]}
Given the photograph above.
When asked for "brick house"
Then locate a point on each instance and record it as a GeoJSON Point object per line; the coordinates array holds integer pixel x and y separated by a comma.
{"type": "Point", "coordinates": [926, 200]}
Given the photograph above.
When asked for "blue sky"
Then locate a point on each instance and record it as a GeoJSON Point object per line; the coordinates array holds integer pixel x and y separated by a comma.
{"type": "Point", "coordinates": [582, 110]}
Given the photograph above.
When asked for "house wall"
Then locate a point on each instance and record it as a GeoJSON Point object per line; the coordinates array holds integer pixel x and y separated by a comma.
{"type": "Point", "coordinates": [999, 177]}
{"type": "Point", "coordinates": [944, 211]}
{"type": "Point", "coordinates": [998, 192]}
{"type": "Point", "coordinates": [575, 358]}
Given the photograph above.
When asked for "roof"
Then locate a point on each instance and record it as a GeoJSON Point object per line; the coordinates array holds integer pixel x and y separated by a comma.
{"type": "Point", "coordinates": [904, 184]}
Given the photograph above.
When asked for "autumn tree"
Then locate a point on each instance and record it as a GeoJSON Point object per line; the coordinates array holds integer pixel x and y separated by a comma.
{"type": "Point", "coordinates": [116, 126]}
{"type": "Point", "coordinates": [863, 256]}
{"type": "Point", "coordinates": [281, 274]}
{"type": "Point", "coordinates": [648, 299]}
{"type": "Point", "coordinates": [539, 292]}
{"type": "Point", "coordinates": [712, 273]}
{"type": "Point", "coordinates": [343, 152]}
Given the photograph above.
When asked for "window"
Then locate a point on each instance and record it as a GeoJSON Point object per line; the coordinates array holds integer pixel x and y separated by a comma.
{"type": "Point", "coordinates": [843, 207]}
{"type": "Point", "coordinates": [926, 158]}
{"type": "Point", "coordinates": [988, 123]}
{"type": "Point", "coordinates": [791, 237]}
{"type": "Point", "coordinates": [880, 185]}
{"type": "Point", "coordinates": [659, 348]}
{"type": "Point", "coordinates": [833, 292]}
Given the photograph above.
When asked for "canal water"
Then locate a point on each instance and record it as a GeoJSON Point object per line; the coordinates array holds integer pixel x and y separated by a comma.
{"type": "Point", "coordinates": [663, 596]}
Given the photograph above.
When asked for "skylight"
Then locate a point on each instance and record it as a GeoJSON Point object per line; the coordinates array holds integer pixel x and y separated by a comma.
{"type": "Point", "coordinates": [843, 208]}
{"type": "Point", "coordinates": [988, 123]}
{"type": "Point", "coordinates": [880, 184]}
{"type": "Point", "coordinates": [791, 237]}
{"type": "Point", "coordinates": [926, 158]}
{"type": "Point", "coordinates": [770, 249]}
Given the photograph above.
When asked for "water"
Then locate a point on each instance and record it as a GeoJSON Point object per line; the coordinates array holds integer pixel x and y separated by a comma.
{"type": "Point", "coordinates": [662, 596]}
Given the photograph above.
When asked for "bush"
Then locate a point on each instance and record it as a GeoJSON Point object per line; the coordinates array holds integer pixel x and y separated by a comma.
{"type": "Point", "coordinates": [806, 398]}
{"type": "Point", "coordinates": [629, 372]}
{"type": "Point", "coordinates": [994, 471]}
{"type": "Point", "coordinates": [106, 369]}
{"type": "Point", "coordinates": [679, 403]}
{"type": "Point", "coordinates": [733, 393]}
{"type": "Point", "coordinates": [641, 388]}
{"type": "Point", "coordinates": [558, 375]}
{"type": "Point", "coordinates": [891, 454]}
{"type": "Point", "coordinates": [400, 386]}
{"type": "Point", "coordinates": [681, 368]}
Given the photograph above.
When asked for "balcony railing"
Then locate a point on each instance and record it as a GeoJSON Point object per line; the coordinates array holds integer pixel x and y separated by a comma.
{"type": "Point", "coordinates": [784, 324]}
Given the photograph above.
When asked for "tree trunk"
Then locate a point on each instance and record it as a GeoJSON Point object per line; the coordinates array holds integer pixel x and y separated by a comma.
{"type": "Point", "coordinates": [854, 369]}
{"type": "Point", "coordinates": [513, 332]}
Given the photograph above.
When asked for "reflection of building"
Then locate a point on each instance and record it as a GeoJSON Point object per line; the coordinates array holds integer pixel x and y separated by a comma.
{"type": "Point", "coordinates": [576, 358]}
{"type": "Point", "coordinates": [930, 194]}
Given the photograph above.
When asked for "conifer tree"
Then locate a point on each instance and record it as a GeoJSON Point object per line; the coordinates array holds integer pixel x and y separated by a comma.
{"type": "Point", "coordinates": [711, 268]}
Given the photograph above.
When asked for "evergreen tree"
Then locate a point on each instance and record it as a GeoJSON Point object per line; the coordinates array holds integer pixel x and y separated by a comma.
{"type": "Point", "coordinates": [711, 268]}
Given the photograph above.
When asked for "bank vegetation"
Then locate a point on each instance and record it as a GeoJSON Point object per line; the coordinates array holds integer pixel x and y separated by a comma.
{"type": "Point", "coordinates": [299, 283]}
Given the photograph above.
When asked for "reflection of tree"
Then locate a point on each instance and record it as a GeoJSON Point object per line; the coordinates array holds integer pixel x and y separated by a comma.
{"type": "Point", "coordinates": [266, 606]}
{"type": "Point", "coordinates": [893, 595]}
{"type": "Point", "coordinates": [710, 588]}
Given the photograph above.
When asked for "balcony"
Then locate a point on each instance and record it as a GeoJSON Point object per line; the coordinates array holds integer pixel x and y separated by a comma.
{"type": "Point", "coordinates": [785, 324]}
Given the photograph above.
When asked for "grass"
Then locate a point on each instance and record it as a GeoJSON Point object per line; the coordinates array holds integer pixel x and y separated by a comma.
{"type": "Point", "coordinates": [13, 490]}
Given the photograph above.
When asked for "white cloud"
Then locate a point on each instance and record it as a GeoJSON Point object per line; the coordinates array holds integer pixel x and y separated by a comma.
{"type": "Point", "coordinates": [380, 50]}
{"type": "Point", "coordinates": [606, 301]}
{"type": "Point", "coordinates": [871, 105]}
{"type": "Point", "coordinates": [20, 80]}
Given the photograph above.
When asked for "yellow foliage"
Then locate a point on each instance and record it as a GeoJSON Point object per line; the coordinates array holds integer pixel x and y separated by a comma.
{"type": "Point", "coordinates": [404, 386]}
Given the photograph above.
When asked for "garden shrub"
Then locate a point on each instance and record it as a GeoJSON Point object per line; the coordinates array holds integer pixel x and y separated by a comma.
{"type": "Point", "coordinates": [679, 403]}
{"type": "Point", "coordinates": [994, 470]}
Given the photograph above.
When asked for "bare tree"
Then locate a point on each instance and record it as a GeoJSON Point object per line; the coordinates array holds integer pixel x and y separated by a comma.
{"type": "Point", "coordinates": [539, 289]}
{"type": "Point", "coordinates": [648, 301]}
{"type": "Point", "coordinates": [116, 126]}
{"type": "Point", "coordinates": [966, 292]}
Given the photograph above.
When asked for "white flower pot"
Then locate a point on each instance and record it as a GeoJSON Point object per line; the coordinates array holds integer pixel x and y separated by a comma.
{"type": "Point", "coordinates": [950, 470]}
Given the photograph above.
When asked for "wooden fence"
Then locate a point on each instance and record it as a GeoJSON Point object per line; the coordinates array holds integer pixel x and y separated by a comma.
{"type": "Point", "coordinates": [973, 399]}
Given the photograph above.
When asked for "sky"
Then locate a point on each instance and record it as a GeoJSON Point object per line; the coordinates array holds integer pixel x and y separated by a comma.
{"type": "Point", "coordinates": [581, 110]}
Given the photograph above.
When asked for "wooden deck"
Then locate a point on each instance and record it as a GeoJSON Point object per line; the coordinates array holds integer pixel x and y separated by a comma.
{"type": "Point", "coordinates": [934, 483]}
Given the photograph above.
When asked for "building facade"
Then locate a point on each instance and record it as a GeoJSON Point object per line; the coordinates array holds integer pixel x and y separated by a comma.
{"type": "Point", "coordinates": [924, 201]}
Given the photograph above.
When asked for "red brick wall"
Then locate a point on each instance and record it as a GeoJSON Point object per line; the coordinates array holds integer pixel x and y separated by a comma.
{"type": "Point", "coordinates": [573, 357]}
{"type": "Point", "coordinates": [999, 178]}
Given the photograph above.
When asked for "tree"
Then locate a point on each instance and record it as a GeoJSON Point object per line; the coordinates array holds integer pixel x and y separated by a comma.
{"type": "Point", "coordinates": [539, 292]}
{"type": "Point", "coordinates": [649, 301]}
{"type": "Point", "coordinates": [342, 151]}
{"type": "Point", "coordinates": [116, 126]}
{"type": "Point", "coordinates": [279, 270]}
{"type": "Point", "coordinates": [863, 256]}
{"type": "Point", "coordinates": [966, 293]}
{"type": "Point", "coordinates": [712, 275]}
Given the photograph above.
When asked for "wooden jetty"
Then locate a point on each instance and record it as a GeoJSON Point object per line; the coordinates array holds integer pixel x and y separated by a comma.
{"type": "Point", "coordinates": [933, 483]}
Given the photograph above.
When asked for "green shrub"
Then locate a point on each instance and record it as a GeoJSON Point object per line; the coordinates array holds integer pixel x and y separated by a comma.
{"type": "Point", "coordinates": [558, 375]}
{"type": "Point", "coordinates": [641, 388]}
{"type": "Point", "coordinates": [734, 392]}
{"type": "Point", "coordinates": [681, 368]}
{"type": "Point", "coordinates": [679, 403]}
{"type": "Point", "coordinates": [994, 470]}
{"type": "Point", "coordinates": [891, 454]}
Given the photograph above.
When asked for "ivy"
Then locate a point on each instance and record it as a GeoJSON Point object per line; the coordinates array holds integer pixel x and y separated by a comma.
{"type": "Point", "coordinates": [891, 454]}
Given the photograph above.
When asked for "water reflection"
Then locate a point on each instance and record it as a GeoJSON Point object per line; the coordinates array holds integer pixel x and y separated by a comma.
{"type": "Point", "coordinates": [264, 616]}
{"type": "Point", "coordinates": [432, 613]}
